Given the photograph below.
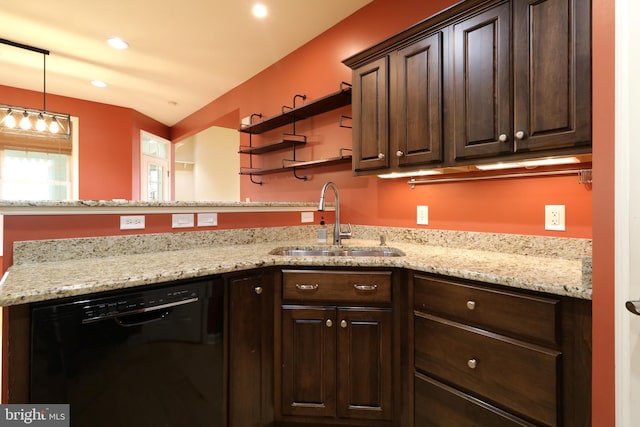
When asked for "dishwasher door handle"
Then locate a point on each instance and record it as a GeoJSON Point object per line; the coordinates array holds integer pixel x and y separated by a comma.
{"type": "Point", "coordinates": [634, 307]}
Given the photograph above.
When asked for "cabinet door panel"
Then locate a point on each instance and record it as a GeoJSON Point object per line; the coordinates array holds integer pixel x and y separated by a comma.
{"type": "Point", "coordinates": [364, 363]}
{"type": "Point", "coordinates": [250, 354]}
{"type": "Point", "coordinates": [552, 73]}
{"type": "Point", "coordinates": [418, 108]}
{"type": "Point", "coordinates": [308, 361]}
{"type": "Point", "coordinates": [482, 84]}
{"type": "Point", "coordinates": [370, 105]}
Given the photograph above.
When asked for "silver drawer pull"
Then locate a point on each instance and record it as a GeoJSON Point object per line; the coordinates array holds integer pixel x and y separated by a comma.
{"type": "Point", "coordinates": [365, 288]}
{"type": "Point", "coordinates": [329, 323]}
{"type": "Point", "coordinates": [305, 287]}
{"type": "Point", "coordinates": [258, 290]}
{"type": "Point", "coordinates": [343, 323]}
{"type": "Point", "coordinates": [471, 305]}
{"type": "Point", "coordinates": [472, 363]}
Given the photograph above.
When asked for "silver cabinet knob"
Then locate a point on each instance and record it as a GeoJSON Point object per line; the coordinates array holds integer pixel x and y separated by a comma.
{"type": "Point", "coordinates": [520, 135]}
{"type": "Point", "coordinates": [329, 323]}
{"type": "Point", "coordinates": [343, 323]}
{"type": "Point", "coordinates": [503, 137]}
{"type": "Point", "coordinates": [472, 363]}
{"type": "Point", "coordinates": [258, 290]}
{"type": "Point", "coordinates": [399, 153]}
{"type": "Point", "coordinates": [471, 305]}
{"type": "Point", "coordinates": [634, 307]}
{"type": "Point", "coordinates": [381, 155]}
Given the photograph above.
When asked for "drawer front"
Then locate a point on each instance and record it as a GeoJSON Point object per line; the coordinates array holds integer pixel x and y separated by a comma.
{"type": "Point", "coordinates": [337, 286]}
{"type": "Point", "coordinates": [513, 375]}
{"type": "Point", "coordinates": [438, 405]}
{"type": "Point", "coordinates": [529, 317]}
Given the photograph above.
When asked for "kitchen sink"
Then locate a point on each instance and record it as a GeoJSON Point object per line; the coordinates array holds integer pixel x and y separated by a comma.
{"type": "Point", "coordinates": [358, 252]}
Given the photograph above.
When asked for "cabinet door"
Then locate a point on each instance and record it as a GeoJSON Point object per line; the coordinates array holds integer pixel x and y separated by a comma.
{"type": "Point", "coordinates": [417, 128]}
{"type": "Point", "coordinates": [370, 100]}
{"type": "Point", "coordinates": [364, 363]}
{"type": "Point", "coordinates": [309, 361]}
{"type": "Point", "coordinates": [482, 84]}
{"type": "Point", "coordinates": [552, 72]}
{"type": "Point", "coordinates": [250, 351]}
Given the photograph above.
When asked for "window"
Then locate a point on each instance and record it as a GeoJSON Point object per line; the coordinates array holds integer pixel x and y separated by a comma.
{"type": "Point", "coordinates": [38, 168]}
{"type": "Point", "coordinates": [155, 184]}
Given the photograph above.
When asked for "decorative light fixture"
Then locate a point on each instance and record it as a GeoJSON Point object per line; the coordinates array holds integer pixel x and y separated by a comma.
{"type": "Point", "coordinates": [34, 122]}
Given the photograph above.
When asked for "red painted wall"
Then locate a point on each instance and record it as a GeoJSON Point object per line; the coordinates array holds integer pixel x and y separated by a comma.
{"type": "Point", "coordinates": [603, 213]}
{"type": "Point", "coordinates": [316, 69]}
{"type": "Point", "coordinates": [109, 141]}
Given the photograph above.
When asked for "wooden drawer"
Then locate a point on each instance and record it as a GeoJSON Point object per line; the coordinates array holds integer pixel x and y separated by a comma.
{"type": "Point", "coordinates": [529, 317]}
{"type": "Point", "coordinates": [337, 286]}
{"type": "Point", "coordinates": [514, 375]}
{"type": "Point", "coordinates": [438, 405]}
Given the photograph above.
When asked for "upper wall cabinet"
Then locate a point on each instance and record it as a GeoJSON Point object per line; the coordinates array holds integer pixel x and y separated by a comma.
{"type": "Point", "coordinates": [397, 107]}
{"type": "Point", "coordinates": [483, 81]}
{"type": "Point", "coordinates": [547, 103]}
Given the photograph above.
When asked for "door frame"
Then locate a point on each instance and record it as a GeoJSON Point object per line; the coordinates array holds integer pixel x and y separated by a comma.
{"type": "Point", "coordinates": [627, 212]}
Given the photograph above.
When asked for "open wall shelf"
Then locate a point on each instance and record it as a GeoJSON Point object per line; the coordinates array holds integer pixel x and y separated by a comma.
{"type": "Point", "coordinates": [321, 105]}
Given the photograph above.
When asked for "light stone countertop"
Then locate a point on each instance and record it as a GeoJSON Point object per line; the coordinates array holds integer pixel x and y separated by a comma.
{"type": "Point", "coordinates": [38, 281]}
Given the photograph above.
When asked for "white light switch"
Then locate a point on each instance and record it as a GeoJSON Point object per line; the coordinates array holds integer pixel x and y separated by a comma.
{"type": "Point", "coordinates": [181, 220]}
{"type": "Point", "coordinates": [209, 219]}
{"type": "Point", "coordinates": [306, 217]}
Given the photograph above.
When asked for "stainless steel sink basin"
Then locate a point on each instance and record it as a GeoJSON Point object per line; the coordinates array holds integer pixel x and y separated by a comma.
{"type": "Point", "coordinates": [358, 252]}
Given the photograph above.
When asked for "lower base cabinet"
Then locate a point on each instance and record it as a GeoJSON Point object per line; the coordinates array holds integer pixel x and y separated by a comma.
{"type": "Point", "coordinates": [485, 356]}
{"type": "Point", "coordinates": [336, 348]}
{"type": "Point", "coordinates": [438, 405]}
{"type": "Point", "coordinates": [250, 350]}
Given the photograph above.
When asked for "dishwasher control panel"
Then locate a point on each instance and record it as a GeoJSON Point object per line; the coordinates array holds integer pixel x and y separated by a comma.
{"type": "Point", "coordinates": [138, 302]}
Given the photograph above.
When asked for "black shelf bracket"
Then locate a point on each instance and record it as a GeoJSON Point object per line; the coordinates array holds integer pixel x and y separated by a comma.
{"type": "Point", "coordinates": [341, 120]}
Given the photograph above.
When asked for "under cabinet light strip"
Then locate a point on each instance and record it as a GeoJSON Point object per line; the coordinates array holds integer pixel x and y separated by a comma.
{"type": "Point", "coordinates": [583, 174]}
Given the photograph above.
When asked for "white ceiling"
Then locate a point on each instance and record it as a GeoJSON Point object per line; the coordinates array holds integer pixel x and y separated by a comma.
{"type": "Point", "coordinates": [182, 52]}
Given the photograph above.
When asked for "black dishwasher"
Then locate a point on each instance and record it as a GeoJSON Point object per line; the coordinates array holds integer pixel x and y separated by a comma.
{"type": "Point", "coordinates": [146, 356]}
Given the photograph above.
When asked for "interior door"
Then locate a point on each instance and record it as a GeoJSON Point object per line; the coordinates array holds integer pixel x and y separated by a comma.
{"type": "Point", "coordinates": [627, 208]}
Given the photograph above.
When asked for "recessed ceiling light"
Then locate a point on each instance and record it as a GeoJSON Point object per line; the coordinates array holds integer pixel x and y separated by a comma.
{"type": "Point", "coordinates": [98, 83]}
{"type": "Point", "coordinates": [117, 43]}
{"type": "Point", "coordinates": [259, 10]}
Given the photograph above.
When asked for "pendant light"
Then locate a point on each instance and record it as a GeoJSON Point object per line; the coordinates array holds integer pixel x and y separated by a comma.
{"type": "Point", "coordinates": [34, 122]}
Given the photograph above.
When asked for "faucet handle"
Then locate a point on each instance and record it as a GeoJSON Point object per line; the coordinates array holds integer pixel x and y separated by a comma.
{"type": "Point", "coordinates": [346, 234]}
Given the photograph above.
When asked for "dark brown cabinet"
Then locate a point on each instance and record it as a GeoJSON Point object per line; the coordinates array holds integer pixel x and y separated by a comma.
{"type": "Point", "coordinates": [484, 81]}
{"type": "Point", "coordinates": [546, 104]}
{"type": "Point", "coordinates": [250, 350]}
{"type": "Point", "coordinates": [482, 84]}
{"type": "Point", "coordinates": [370, 106]}
{"type": "Point", "coordinates": [417, 128]}
{"type": "Point", "coordinates": [336, 351]}
{"type": "Point", "coordinates": [486, 357]}
{"type": "Point", "coordinates": [397, 108]}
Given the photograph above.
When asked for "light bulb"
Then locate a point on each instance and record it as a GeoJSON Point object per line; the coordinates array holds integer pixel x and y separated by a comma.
{"type": "Point", "coordinates": [40, 124]}
{"type": "Point", "coordinates": [10, 121]}
{"type": "Point", "coordinates": [54, 127]}
{"type": "Point", "coordinates": [25, 123]}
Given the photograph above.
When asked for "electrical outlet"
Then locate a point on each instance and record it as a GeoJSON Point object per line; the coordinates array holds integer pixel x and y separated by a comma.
{"type": "Point", "coordinates": [422, 215]}
{"type": "Point", "coordinates": [554, 217]}
{"type": "Point", "coordinates": [131, 222]}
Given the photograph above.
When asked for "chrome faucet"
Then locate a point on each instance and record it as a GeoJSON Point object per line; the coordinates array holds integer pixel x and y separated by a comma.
{"type": "Point", "coordinates": [337, 234]}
